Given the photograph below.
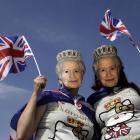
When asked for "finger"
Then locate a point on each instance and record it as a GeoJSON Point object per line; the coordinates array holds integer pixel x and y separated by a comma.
{"type": "Point", "coordinates": [42, 77]}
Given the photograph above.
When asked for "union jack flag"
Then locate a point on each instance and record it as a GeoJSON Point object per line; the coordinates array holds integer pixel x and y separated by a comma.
{"type": "Point", "coordinates": [13, 52]}
{"type": "Point", "coordinates": [111, 28]}
{"type": "Point", "coordinates": [122, 131]}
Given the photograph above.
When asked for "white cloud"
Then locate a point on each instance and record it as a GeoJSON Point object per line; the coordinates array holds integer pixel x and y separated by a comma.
{"type": "Point", "coordinates": [51, 35]}
{"type": "Point", "coordinates": [48, 31]}
{"type": "Point", "coordinates": [8, 91]}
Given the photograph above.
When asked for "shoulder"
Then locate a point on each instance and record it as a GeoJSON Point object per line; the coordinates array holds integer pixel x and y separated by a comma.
{"type": "Point", "coordinates": [131, 86]}
{"type": "Point", "coordinates": [135, 87]}
{"type": "Point", "coordinates": [97, 95]}
{"type": "Point", "coordinates": [48, 96]}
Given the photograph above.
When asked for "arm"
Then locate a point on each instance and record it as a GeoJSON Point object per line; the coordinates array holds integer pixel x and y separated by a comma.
{"type": "Point", "coordinates": [32, 114]}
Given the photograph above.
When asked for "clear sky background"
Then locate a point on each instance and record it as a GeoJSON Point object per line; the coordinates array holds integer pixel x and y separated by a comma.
{"type": "Point", "coordinates": [51, 26]}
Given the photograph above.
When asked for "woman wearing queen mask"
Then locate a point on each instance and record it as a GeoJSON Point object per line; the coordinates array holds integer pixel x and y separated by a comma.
{"type": "Point", "coordinates": [59, 114]}
{"type": "Point", "coordinates": [115, 100]}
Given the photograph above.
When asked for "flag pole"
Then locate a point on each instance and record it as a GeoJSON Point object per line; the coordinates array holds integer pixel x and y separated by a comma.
{"type": "Point", "coordinates": [36, 64]}
{"type": "Point", "coordinates": [34, 58]}
{"type": "Point", "coordinates": [134, 43]}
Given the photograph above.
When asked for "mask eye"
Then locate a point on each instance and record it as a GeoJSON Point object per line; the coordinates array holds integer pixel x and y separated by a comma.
{"type": "Point", "coordinates": [76, 71]}
{"type": "Point", "coordinates": [101, 70]}
{"type": "Point", "coordinates": [66, 71]}
{"type": "Point", "coordinates": [113, 68]}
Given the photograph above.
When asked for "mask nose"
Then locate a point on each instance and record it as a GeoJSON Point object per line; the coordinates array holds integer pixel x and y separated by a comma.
{"type": "Point", "coordinates": [108, 72]}
{"type": "Point", "coordinates": [71, 74]}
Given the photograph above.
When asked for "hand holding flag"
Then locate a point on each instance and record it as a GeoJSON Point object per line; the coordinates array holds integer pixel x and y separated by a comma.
{"type": "Point", "coordinates": [111, 28]}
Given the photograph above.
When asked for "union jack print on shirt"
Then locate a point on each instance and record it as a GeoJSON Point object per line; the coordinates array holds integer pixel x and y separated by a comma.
{"type": "Point", "coordinates": [112, 28]}
{"type": "Point", "coordinates": [13, 52]}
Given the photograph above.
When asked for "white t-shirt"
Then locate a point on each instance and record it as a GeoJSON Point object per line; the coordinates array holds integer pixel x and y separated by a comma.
{"type": "Point", "coordinates": [62, 121]}
{"type": "Point", "coordinates": [119, 115]}
{"type": "Point", "coordinates": [65, 118]}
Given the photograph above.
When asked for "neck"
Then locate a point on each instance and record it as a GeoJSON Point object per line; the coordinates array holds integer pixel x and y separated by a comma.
{"type": "Point", "coordinates": [73, 91]}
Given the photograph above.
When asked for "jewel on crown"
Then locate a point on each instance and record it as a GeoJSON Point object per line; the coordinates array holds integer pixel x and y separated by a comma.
{"type": "Point", "coordinates": [104, 50]}
{"type": "Point", "coordinates": [72, 54]}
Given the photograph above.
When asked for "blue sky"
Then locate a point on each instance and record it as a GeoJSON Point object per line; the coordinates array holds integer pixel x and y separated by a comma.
{"type": "Point", "coordinates": [51, 26]}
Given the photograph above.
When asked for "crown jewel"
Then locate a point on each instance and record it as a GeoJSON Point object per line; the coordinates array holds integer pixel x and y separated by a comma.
{"type": "Point", "coordinates": [104, 50]}
{"type": "Point", "coordinates": [68, 54]}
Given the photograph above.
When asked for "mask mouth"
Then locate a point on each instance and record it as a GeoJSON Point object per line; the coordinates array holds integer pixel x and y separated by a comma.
{"type": "Point", "coordinates": [73, 81]}
{"type": "Point", "coordinates": [109, 80]}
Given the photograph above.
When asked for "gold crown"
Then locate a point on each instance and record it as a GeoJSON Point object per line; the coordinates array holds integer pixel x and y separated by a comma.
{"type": "Point", "coordinates": [104, 50]}
{"type": "Point", "coordinates": [69, 54]}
